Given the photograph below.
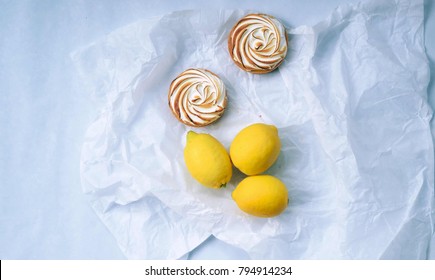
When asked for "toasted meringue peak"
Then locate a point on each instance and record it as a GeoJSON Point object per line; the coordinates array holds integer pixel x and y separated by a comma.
{"type": "Point", "coordinates": [197, 97]}
{"type": "Point", "coordinates": [258, 43]}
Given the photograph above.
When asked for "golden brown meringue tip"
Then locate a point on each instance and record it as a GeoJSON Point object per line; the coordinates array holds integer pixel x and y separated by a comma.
{"type": "Point", "coordinates": [197, 97]}
{"type": "Point", "coordinates": [258, 43]}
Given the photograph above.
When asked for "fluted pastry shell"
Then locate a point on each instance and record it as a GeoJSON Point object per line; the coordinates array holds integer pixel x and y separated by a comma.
{"type": "Point", "coordinates": [197, 97]}
{"type": "Point", "coordinates": [258, 43]}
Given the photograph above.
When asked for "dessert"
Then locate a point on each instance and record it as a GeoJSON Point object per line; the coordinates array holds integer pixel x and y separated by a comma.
{"type": "Point", "coordinates": [197, 97]}
{"type": "Point", "coordinates": [258, 43]}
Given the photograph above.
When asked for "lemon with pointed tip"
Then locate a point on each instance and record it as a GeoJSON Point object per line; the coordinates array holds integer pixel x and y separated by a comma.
{"type": "Point", "coordinates": [207, 160]}
{"type": "Point", "coordinates": [255, 148]}
{"type": "Point", "coordinates": [261, 195]}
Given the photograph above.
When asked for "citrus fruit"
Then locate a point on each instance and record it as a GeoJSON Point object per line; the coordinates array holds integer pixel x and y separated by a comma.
{"type": "Point", "coordinates": [261, 195]}
{"type": "Point", "coordinates": [207, 160]}
{"type": "Point", "coordinates": [255, 148]}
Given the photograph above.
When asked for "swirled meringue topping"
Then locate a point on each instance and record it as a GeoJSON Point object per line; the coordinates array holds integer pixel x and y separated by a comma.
{"type": "Point", "coordinates": [197, 97]}
{"type": "Point", "coordinates": [258, 43]}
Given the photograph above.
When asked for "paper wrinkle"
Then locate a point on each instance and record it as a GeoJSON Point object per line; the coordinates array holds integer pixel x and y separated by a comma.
{"type": "Point", "coordinates": [350, 104]}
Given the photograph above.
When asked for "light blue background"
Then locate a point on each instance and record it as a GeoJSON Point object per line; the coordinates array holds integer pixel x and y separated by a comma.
{"type": "Point", "coordinates": [44, 112]}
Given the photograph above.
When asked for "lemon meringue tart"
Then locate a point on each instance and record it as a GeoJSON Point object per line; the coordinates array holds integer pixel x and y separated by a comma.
{"type": "Point", "coordinates": [258, 43]}
{"type": "Point", "coordinates": [197, 97]}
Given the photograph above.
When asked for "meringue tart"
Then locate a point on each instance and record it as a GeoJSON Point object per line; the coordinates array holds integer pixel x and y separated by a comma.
{"type": "Point", "coordinates": [197, 97]}
{"type": "Point", "coordinates": [258, 43]}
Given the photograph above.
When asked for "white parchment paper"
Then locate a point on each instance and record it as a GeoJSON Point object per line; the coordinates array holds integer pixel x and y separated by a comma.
{"type": "Point", "coordinates": [350, 105]}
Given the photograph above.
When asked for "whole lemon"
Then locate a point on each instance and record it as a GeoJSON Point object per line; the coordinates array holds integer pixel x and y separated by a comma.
{"type": "Point", "coordinates": [207, 160]}
{"type": "Point", "coordinates": [261, 195]}
{"type": "Point", "coordinates": [255, 148]}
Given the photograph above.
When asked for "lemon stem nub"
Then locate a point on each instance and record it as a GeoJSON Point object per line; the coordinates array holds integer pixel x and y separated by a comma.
{"type": "Point", "coordinates": [224, 185]}
{"type": "Point", "coordinates": [190, 134]}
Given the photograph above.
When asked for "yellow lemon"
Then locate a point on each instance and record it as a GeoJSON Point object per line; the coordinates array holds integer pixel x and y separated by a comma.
{"type": "Point", "coordinates": [207, 160]}
{"type": "Point", "coordinates": [255, 148]}
{"type": "Point", "coordinates": [261, 195]}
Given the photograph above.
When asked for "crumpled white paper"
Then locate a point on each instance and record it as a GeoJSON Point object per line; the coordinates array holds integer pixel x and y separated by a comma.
{"type": "Point", "coordinates": [350, 105]}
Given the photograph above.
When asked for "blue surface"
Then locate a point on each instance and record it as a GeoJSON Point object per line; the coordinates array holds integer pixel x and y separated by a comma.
{"type": "Point", "coordinates": [45, 112]}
